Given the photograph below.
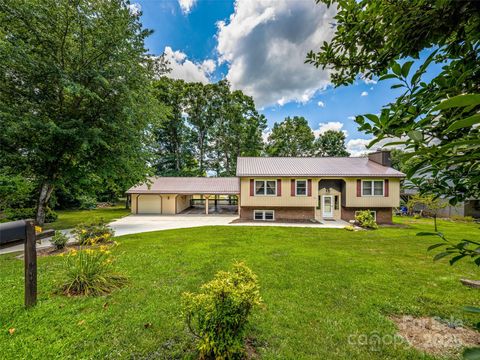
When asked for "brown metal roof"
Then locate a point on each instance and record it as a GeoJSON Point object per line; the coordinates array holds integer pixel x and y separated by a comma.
{"type": "Point", "coordinates": [313, 166]}
{"type": "Point", "coordinates": [189, 185]}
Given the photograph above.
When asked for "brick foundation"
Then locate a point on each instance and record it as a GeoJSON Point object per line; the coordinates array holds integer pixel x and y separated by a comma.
{"type": "Point", "coordinates": [384, 215]}
{"type": "Point", "coordinates": [281, 213]}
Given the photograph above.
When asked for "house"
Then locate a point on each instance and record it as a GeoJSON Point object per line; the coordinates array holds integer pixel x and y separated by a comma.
{"type": "Point", "coordinates": [285, 189]}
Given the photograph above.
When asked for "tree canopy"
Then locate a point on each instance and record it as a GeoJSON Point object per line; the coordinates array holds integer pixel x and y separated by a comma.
{"type": "Point", "coordinates": [75, 97]}
{"type": "Point", "coordinates": [292, 137]}
{"type": "Point", "coordinates": [205, 129]}
{"type": "Point", "coordinates": [436, 120]}
{"type": "Point", "coordinates": [331, 143]}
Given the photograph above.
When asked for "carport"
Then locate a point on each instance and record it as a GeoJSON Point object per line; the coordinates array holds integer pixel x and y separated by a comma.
{"type": "Point", "coordinates": [190, 195]}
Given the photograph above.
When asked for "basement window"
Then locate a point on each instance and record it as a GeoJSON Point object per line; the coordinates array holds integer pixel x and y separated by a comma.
{"type": "Point", "coordinates": [265, 215]}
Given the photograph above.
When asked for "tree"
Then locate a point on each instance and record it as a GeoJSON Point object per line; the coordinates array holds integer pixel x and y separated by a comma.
{"type": "Point", "coordinates": [237, 132]}
{"type": "Point", "coordinates": [331, 143]}
{"type": "Point", "coordinates": [291, 137]}
{"type": "Point", "coordinates": [429, 203]}
{"type": "Point", "coordinates": [205, 128]}
{"type": "Point", "coordinates": [432, 119]}
{"type": "Point", "coordinates": [74, 93]}
{"type": "Point", "coordinates": [173, 146]}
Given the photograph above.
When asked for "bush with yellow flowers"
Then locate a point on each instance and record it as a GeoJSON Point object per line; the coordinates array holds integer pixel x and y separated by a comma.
{"type": "Point", "coordinates": [90, 272]}
{"type": "Point", "coordinates": [218, 315]}
{"type": "Point", "coordinates": [97, 232]}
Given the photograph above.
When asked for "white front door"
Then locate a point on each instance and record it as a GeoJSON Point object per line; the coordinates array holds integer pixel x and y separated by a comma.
{"type": "Point", "coordinates": [327, 202]}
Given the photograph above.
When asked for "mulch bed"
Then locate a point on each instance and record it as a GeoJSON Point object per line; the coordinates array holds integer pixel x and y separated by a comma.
{"type": "Point", "coordinates": [436, 337]}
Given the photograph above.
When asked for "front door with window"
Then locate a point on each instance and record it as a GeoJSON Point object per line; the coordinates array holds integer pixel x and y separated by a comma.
{"type": "Point", "coordinates": [327, 206]}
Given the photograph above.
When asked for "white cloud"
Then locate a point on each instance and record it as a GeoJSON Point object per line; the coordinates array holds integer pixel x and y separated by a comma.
{"type": "Point", "coordinates": [351, 118]}
{"type": "Point", "coordinates": [265, 134]}
{"type": "Point", "coordinates": [369, 81]}
{"type": "Point", "coordinates": [321, 104]}
{"type": "Point", "coordinates": [364, 93]}
{"type": "Point", "coordinates": [265, 44]}
{"type": "Point", "coordinates": [358, 147]}
{"type": "Point", "coordinates": [332, 125]}
{"type": "Point", "coordinates": [135, 8]}
{"type": "Point", "coordinates": [187, 70]}
{"type": "Point", "coordinates": [186, 5]}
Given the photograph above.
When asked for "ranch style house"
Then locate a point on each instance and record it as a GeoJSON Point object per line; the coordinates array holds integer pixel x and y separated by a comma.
{"type": "Point", "coordinates": [281, 189]}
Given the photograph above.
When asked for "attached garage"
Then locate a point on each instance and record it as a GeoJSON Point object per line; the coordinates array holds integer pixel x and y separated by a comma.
{"type": "Point", "coordinates": [148, 204]}
{"type": "Point", "coordinates": [172, 195]}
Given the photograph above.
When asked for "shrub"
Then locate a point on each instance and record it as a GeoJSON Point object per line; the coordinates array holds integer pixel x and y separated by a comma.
{"type": "Point", "coordinates": [96, 232]}
{"type": "Point", "coordinates": [87, 202]}
{"type": "Point", "coordinates": [366, 219]}
{"type": "Point", "coordinates": [59, 240]}
{"type": "Point", "coordinates": [349, 228]}
{"type": "Point", "coordinates": [461, 218]}
{"type": "Point", "coordinates": [417, 216]}
{"type": "Point", "coordinates": [29, 213]}
{"type": "Point", "coordinates": [90, 272]}
{"type": "Point", "coordinates": [219, 313]}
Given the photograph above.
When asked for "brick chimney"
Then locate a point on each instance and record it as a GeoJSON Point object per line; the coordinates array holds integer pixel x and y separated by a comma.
{"type": "Point", "coordinates": [381, 157]}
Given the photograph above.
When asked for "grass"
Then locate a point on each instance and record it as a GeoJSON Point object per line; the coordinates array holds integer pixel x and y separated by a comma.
{"type": "Point", "coordinates": [320, 286]}
{"type": "Point", "coordinates": [68, 219]}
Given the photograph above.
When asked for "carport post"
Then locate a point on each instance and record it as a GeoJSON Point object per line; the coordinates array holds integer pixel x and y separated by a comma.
{"type": "Point", "coordinates": [206, 204]}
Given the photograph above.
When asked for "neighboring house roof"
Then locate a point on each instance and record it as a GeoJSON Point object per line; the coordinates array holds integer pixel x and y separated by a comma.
{"type": "Point", "coordinates": [313, 166]}
{"type": "Point", "coordinates": [189, 185]}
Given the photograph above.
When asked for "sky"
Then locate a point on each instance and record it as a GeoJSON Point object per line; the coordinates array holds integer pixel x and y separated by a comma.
{"type": "Point", "coordinates": [260, 47]}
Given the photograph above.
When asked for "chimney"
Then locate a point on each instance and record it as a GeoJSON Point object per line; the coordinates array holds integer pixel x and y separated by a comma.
{"type": "Point", "coordinates": [381, 157]}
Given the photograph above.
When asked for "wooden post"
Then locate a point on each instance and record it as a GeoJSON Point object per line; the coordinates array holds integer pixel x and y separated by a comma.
{"type": "Point", "coordinates": [206, 204]}
{"type": "Point", "coordinates": [30, 264]}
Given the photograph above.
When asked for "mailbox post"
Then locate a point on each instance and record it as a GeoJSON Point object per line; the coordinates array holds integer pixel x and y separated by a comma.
{"type": "Point", "coordinates": [30, 264]}
{"type": "Point", "coordinates": [24, 231]}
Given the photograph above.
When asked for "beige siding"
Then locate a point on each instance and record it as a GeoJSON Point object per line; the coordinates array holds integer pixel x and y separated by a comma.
{"type": "Point", "coordinates": [393, 199]}
{"type": "Point", "coordinates": [168, 204]}
{"type": "Point", "coordinates": [285, 200]}
{"type": "Point", "coordinates": [148, 204]}
{"type": "Point", "coordinates": [183, 202]}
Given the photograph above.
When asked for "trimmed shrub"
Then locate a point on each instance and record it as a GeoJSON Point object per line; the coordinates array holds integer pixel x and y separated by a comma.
{"type": "Point", "coordinates": [87, 202]}
{"type": "Point", "coordinates": [59, 240]}
{"type": "Point", "coordinates": [96, 232]}
{"type": "Point", "coordinates": [366, 219]}
{"type": "Point", "coordinates": [29, 213]}
{"type": "Point", "coordinates": [90, 272]}
{"type": "Point", "coordinates": [461, 218]}
{"type": "Point", "coordinates": [218, 314]}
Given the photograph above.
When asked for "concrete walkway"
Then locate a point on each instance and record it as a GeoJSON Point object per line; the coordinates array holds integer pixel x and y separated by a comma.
{"type": "Point", "coordinates": [134, 224]}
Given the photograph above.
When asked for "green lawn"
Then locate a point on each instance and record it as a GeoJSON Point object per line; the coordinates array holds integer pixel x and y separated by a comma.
{"type": "Point", "coordinates": [68, 219]}
{"type": "Point", "coordinates": [319, 287]}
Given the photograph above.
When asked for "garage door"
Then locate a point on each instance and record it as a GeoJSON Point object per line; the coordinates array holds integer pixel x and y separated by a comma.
{"type": "Point", "coordinates": [149, 204]}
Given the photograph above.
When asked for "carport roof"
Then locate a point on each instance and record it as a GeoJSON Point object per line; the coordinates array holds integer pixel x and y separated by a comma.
{"type": "Point", "coordinates": [188, 185]}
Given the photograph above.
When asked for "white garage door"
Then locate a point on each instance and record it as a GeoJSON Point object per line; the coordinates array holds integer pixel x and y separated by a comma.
{"type": "Point", "coordinates": [149, 204]}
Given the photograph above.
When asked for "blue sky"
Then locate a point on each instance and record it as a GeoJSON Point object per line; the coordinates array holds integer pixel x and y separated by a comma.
{"type": "Point", "coordinates": [260, 47]}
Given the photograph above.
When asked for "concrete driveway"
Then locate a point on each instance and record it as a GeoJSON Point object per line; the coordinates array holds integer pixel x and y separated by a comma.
{"type": "Point", "coordinates": [133, 224]}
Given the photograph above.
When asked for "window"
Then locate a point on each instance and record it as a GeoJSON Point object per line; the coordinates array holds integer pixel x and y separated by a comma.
{"type": "Point", "coordinates": [301, 188]}
{"type": "Point", "coordinates": [267, 215]}
{"type": "Point", "coordinates": [373, 212]}
{"type": "Point", "coordinates": [336, 202]}
{"type": "Point", "coordinates": [372, 188]}
{"type": "Point", "coordinates": [266, 187]}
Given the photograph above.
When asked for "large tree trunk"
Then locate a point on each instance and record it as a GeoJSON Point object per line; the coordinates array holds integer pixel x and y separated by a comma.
{"type": "Point", "coordinates": [44, 197]}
